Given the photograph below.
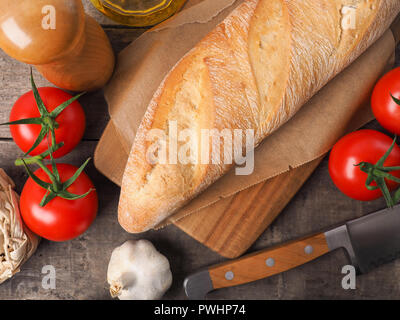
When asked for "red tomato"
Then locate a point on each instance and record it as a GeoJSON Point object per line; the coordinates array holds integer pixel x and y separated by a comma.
{"type": "Point", "coordinates": [71, 121]}
{"type": "Point", "coordinates": [60, 219]}
{"type": "Point", "coordinates": [361, 146]}
{"type": "Point", "coordinates": [386, 111]}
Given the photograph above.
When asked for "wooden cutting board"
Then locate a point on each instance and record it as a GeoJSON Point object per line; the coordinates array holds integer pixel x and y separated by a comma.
{"type": "Point", "coordinates": [233, 223]}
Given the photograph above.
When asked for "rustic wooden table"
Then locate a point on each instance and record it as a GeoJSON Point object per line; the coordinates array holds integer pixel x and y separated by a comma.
{"type": "Point", "coordinates": [81, 264]}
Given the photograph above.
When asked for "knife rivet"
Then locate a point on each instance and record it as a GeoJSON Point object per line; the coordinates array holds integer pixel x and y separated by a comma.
{"type": "Point", "coordinates": [270, 262]}
{"type": "Point", "coordinates": [308, 249]}
{"type": "Point", "coordinates": [229, 275]}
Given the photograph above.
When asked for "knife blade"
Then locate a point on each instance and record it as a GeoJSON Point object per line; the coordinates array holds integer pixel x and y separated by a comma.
{"type": "Point", "coordinates": [369, 241]}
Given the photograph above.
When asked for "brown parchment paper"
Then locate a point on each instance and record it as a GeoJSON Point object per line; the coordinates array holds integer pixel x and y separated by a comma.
{"type": "Point", "coordinates": [310, 134]}
{"type": "Point", "coordinates": [142, 65]}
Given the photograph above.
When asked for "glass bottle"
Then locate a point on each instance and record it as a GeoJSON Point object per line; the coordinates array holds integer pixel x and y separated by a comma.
{"type": "Point", "coordinates": [138, 13]}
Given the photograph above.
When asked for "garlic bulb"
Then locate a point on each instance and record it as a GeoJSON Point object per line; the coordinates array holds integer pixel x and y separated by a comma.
{"type": "Point", "coordinates": [17, 243]}
{"type": "Point", "coordinates": [137, 271]}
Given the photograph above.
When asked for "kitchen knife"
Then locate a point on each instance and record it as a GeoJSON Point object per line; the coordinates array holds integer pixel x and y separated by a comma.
{"type": "Point", "coordinates": [370, 241]}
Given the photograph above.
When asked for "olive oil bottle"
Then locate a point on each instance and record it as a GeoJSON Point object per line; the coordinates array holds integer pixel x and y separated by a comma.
{"type": "Point", "coordinates": [138, 13]}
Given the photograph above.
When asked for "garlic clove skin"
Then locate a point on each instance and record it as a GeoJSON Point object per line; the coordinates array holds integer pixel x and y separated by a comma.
{"type": "Point", "coordinates": [137, 271]}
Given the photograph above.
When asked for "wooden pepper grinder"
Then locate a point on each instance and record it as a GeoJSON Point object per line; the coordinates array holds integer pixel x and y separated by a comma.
{"type": "Point", "coordinates": [67, 46]}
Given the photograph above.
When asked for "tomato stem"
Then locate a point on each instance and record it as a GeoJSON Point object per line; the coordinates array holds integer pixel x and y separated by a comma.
{"type": "Point", "coordinates": [35, 159]}
{"type": "Point", "coordinates": [396, 100]}
{"type": "Point", "coordinates": [47, 120]}
{"type": "Point", "coordinates": [50, 174]}
{"type": "Point", "coordinates": [379, 174]}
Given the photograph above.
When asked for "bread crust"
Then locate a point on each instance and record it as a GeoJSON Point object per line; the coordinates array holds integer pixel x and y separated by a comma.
{"type": "Point", "coordinates": [253, 71]}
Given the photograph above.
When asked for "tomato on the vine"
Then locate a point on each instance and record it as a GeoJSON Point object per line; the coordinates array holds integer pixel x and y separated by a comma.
{"type": "Point", "coordinates": [384, 107]}
{"type": "Point", "coordinates": [358, 147]}
{"type": "Point", "coordinates": [60, 219]}
{"type": "Point", "coordinates": [69, 128]}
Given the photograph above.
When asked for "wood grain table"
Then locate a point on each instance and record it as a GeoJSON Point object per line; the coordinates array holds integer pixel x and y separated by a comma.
{"type": "Point", "coordinates": [81, 264]}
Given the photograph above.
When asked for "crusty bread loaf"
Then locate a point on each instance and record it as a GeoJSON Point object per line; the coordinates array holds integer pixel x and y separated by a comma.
{"type": "Point", "coordinates": [254, 71]}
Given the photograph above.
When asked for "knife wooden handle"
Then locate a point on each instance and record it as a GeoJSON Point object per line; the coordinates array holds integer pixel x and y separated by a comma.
{"type": "Point", "coordinates": [268, 262]}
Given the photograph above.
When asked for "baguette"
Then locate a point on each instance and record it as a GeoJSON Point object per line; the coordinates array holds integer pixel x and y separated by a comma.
{"type": "Point", "coordinates": [253, 71]}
